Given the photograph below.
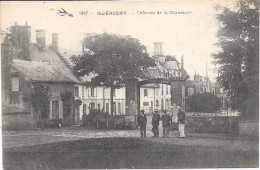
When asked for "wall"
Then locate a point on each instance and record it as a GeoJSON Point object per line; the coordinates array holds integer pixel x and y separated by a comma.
{"type": "Point", "coordinates": [220, 124]}
{"type": "Point", "coordinates": [17, 121]}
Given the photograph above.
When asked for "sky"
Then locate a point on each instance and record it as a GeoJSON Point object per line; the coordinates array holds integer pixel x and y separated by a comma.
{"type": "Point", "coordinates": [186, 28]}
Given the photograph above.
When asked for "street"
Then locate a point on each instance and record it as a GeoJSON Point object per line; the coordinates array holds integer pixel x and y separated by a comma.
{"type": "Point", "coordinates": [77, 147]}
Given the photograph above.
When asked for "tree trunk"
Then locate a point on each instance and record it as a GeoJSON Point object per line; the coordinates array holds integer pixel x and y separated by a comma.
{"type": "Point", "coordinates": [111, 100]}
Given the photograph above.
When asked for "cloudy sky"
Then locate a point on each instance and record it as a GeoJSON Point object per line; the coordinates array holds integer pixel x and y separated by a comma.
{"type": "Point", "coordinates": [191, 33]}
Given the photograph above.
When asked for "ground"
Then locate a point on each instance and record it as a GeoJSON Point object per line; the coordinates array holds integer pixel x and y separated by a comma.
{"type": "Point", "coordinates": [78, 147]}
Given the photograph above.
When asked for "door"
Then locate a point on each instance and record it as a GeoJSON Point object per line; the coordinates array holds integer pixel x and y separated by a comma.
{"type": "Point", "coordinates": [55, 110]}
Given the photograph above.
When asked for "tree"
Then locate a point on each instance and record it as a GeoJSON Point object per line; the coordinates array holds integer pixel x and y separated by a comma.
{"type": "Point", "coordinates": [206, 102]}
{"type": "Point", "coordinates": [112, 58]}
{"type": "Point", "coordinates": [40, 99]}
{"type": "Point", "coordinates": [238, 59]}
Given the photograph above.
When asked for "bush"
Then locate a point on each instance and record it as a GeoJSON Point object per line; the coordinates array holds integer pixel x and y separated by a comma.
{"type": "Point", "coordinates": [102, 120]}
{"type": "Point", "coordinates": [54, 123]}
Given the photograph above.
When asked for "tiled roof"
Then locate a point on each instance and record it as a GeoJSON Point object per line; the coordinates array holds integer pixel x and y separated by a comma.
{"type": "Point", "coordinates": [54, 58]}
{"type": "Point", "coordinates": [42, 71]}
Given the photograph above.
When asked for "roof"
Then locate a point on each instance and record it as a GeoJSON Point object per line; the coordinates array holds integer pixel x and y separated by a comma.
{"type": "Point", "coordinates": [170, 65]}
{"type": "Point", "coordinates": [55, 58]}
{"type": "Point", "coordinates": [153, 73]}
{"type": "Point", "coordinates": [42, 71]}
{"type": "Point", "coordinates": [151, 85]}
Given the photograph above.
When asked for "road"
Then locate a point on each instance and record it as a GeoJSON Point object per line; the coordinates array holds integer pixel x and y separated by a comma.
{"type": "Point", "coordinates": [78, 147]}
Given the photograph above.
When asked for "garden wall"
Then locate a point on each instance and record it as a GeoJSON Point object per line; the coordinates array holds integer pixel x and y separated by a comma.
{"type": "Point", "coordinates": [214, 124]}
{"type": "Point", "coordinates": [17, 121]}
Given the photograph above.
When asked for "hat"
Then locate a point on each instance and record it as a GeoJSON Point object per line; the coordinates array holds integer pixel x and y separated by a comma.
{"type": "Point", "coordinates": [142, 111]}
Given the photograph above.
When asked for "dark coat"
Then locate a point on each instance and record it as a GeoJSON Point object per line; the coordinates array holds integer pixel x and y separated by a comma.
{"type": "Point", "coordinates": [166, 120]}
{"type": "Point", "coordinates": [155, 119]}
{"type": "Point", "coordinates": [181, 117]}
{"type": "Point", "coordinates": [141, 120]}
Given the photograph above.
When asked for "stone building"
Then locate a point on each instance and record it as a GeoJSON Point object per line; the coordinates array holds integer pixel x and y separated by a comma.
{"type": "Point", "coordinates": [26, 64]}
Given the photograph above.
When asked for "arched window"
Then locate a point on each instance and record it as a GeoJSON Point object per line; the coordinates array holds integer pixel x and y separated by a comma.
{"type": "Point", "coordinates": [145, 92]}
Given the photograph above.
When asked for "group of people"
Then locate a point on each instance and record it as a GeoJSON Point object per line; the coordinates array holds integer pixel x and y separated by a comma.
{"type": "Point", "coordinates": [166, 122]}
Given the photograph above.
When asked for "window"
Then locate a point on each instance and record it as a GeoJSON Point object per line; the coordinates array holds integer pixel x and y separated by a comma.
{"type": "Point", "coordinates": [213, 91]}
{"type": "Point", "coordinates": [114, 108]}
{"type": "Point", "coordinates": [107, 107]}
{"type": "Point", "coordinates": [76, 91]}
{"type": "Point", "coordinates": [190, 91]}
{"type": "Point", "coordinates": [92, 105]}
{"type": "Point", "coordinates": [146, 103]}
{"type": "Point", "coordinates": [162, 89]}
{"type": "Point", "coordinates": [98, 106]}
{"type": "Point", "coordinates": [92, 92]}
{"type": "Point", "coordinates": [84, 109]}
{"type": "Point", "coordinates": [162, 105]}
{"type": "Point", "coordinates": [15, 83]}
{"type": "Point", "coordinates": [157, 103]}
{"type": "Point", "coordinates": [152, 105]}
{"type": "Point", "coordinates": [119, 108]}
{"type": "Point", "coordinates": [145, 93]}
{"type": "Point", "coordinates": [55, 109]}
{"type": "Point", "coordinates": [156, 92]}
{"type": "Point", "coordinates": [14, 99]}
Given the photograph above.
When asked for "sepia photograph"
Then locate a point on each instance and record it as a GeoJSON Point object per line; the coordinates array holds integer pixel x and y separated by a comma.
{"type": "Point", "coordinates": [129, 85]}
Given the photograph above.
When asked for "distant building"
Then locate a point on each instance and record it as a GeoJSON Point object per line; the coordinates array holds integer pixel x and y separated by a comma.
{"type": "Point", "coordinates": [201, 85]}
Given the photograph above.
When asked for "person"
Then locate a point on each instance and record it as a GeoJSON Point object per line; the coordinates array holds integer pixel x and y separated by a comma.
{"type": "Point", "coordinates": [166, 121]}
{"type": "Point", "coordinates": [155, 123]}
{"type": "Point", "coordinates": [142, 120]}
{"type": "Point", "coordinates": [181, 121]}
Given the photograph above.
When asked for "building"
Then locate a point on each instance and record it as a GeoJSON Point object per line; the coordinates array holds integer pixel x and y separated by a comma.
{"type": "Point", "coordinates": [202, 84]}
{"type": "Point", "coordinates": [26, 64]}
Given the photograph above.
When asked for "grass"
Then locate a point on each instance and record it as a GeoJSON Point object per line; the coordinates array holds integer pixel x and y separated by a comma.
{"type": "Point", "coordinates": [124, 153]}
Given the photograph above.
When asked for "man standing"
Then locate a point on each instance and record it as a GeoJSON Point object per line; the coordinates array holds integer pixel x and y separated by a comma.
{"type": "Point", "coordinates": [155, 123]}
{"type": "Point", "coordinates": [141, 120]}
{"type": "Point", "coordinates": [181, 121]}
{"type": "Point", "coordinates": [166, 120]}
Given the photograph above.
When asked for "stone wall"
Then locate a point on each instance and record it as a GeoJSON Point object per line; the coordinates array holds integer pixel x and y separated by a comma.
{"type": "Point", "coordinates": [17, 121]}
{"type": "Point", "coordinates": [249, 128]}
{"type": "Point", "coordinates": [216, 124]}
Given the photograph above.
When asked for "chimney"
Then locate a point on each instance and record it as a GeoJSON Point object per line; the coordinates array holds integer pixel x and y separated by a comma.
{"type": "Point", "coordinates": [158, 48]}
{"type": "Point", "coordinates": [26, 40]}
{"type": "Point", "coordinates": [40, 39]}
{"type": "Point", "coordinates": [55, 41]}
{"type": "Point", "coordinates": [21, 37]}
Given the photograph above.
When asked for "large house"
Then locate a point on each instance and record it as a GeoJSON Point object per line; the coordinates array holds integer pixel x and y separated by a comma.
{"type": "Point", "coordinates": [26, 65]}
{"type": "Point", "coordinates": [152, 96]}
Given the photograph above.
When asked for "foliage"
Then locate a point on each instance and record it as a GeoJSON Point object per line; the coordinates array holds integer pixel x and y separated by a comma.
{"type": "Point", "coordinates": [67, 98]}
{"type": "Point", "coordinates": [102, 120]}
{"type": "Point", "coordinates": [40, 99]}
{"type": "Point", "coordinates": [112, 59]}
{"type": "Point", "coordinates": [238, 59]}
{"type": "Point", "coordinates": [206, 102]}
